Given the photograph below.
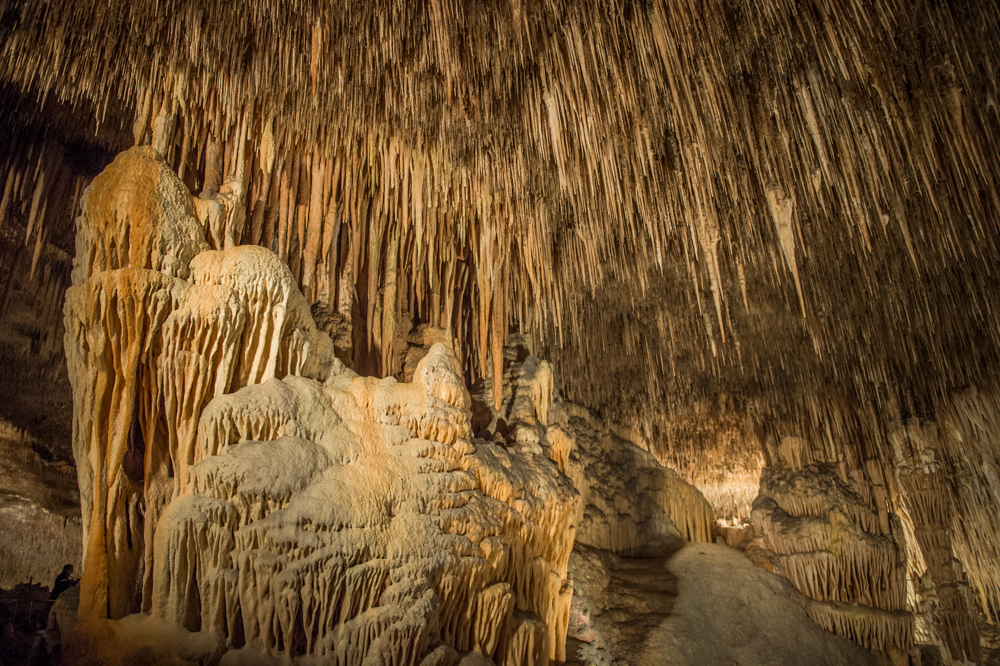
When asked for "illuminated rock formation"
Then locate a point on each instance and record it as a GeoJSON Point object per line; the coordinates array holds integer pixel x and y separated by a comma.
{"type": "Point", "coordinates": [928, 482]}
{"type": "Point", "coordinates": [630, 504]}
{"type": "Point", "coordinates": [365, 523]}
{"type": "Point", "coordinates": [710, 446]}
{"type": "Point", "coordinates": [822, 530]}
{"type": "Point", "coordinates": [238, 480]}
{"type": "Point", "coordinates": [955, 560]}
{"type": "Point", "coordinates": [147, 348]}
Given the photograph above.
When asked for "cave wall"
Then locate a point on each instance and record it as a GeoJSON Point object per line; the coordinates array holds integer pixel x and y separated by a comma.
{"type": "Point", "coordinates": [39, 512]}
{"type": "Point", "coordinates": [927, 482]}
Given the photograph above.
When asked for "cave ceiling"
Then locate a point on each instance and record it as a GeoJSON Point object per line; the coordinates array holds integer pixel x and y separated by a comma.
{"type": "Point", "coordinates": [674, 200]}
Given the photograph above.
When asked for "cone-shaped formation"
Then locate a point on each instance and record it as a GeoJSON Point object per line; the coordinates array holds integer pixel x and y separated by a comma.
{"type": "Point", "coordinates": [147, 349]}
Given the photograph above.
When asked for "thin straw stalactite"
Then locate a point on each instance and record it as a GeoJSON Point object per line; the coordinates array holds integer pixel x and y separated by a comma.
{"type": "Point", "coordinates": [595, 142]}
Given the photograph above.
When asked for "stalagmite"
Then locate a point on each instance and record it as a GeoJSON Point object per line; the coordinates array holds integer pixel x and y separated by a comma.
{"type": "Point", "coordinates": [356, 508]}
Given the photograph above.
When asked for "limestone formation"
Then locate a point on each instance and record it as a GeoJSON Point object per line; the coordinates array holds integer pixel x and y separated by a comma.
{"type": "Point", "coordinates": [711, 446]}
{"type": "Point", "coordinates": [356, 520]}
{"type": "Point", "coordinates": [238, 480]}
{"type": "Point", "coordinates": [148, 348]}
{"type": "Point", "coordinates": [945, 601]}
{"type": "Point", "coordinates": [821, 531]}
{"type": "Point", "coordinates": [630, 504]}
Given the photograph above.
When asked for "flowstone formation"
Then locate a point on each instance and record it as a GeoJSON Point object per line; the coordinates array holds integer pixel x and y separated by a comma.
{"type": "Point", "coordinates": [954, 556]}
{"type": "Point", "coordinates": [923, 476]}
{"type": "Point", "coordinates": [632, 505]}
{"type": "Point", "coordinates": [824, 530]}
{"type": "Point", "coordinates": [158, 324]}
{"type": "Point", "coordinates": [240, 482]}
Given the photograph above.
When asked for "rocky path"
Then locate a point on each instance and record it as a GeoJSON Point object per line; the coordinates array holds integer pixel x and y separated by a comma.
{"type": "Point", "coordinates": [704, 605]}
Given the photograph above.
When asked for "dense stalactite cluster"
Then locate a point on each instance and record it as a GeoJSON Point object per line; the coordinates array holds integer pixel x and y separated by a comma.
{"type": "Point", "coordinates": [900, 452]}
{"type": "Point", "coordinates": [971, 449]}
{"type": "Point", "coordinates": [40, 190]}
{"type": "Point", "coordinates": [631, 505]}
{"type": "Point", "coordinates": [714, 447]}
{"type": "Point", "coordinates": [52, 152]}
{"type": "Point", "coordinates": [929, 480]}
{"type": "Point", "coordinates": [473, 165]}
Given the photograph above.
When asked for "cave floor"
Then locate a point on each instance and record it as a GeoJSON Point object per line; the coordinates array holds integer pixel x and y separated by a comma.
{"type": "Point", "coordinates": [705, 604]}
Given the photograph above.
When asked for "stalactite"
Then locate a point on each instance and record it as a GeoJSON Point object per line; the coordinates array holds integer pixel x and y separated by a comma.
{"type": "Point", "coordinates": [704, 166]}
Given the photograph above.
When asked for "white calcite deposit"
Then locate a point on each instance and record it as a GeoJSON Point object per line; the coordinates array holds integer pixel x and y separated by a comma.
{"type": "Point", "coordinates": [238, 480]}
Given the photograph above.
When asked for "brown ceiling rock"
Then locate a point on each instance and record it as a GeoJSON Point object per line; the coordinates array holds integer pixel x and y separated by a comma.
{"type": "Point", "coordinates": [771, 195]}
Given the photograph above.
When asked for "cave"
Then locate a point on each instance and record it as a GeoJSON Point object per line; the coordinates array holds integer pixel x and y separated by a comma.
{"type": "Point", "coordinates": [500, 333]}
